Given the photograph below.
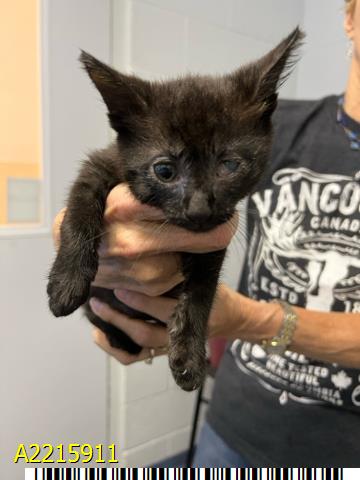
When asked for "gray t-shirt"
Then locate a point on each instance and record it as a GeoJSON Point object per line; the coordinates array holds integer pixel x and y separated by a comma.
{"type": "Point", "coordinates": [304, 248]}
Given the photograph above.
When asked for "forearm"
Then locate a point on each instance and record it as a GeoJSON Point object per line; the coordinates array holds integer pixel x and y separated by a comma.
{"type": "Point", "coordinates": [326, 336]}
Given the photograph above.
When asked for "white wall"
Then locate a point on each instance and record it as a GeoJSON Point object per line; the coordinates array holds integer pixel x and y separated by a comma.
{"type": "Point", "coordinates": [157, 39]}
{"type": "Point", "coordinates": [53, 385]}
{"type": "Point", "coordinates": [324, 65]}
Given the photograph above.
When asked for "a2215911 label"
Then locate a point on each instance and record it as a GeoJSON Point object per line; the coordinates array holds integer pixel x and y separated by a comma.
{"type": "Point", "coordinates": [70, 453]}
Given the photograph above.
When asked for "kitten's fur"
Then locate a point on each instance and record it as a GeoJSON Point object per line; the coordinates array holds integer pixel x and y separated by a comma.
{"type": "Point", "coordinates": [216, 133]}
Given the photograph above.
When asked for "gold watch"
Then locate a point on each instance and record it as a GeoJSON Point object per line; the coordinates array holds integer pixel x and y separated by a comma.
{"type": "Point", "coordinates": [278, 344]}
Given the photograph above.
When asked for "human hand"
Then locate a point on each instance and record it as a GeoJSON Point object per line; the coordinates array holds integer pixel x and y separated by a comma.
{"type": "Point", "coordinates": [137, 254]}
{"type": "Point", "coordinates": [153, 337]}
{"type": "Point", "coordinates": [143, 271]}
{"type": "Point", "coordinates": [136, 229]}
{"type": "Point", "coordinates": [138, 249]}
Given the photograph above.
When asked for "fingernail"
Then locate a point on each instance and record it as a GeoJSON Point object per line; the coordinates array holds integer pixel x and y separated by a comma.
{"type": "Point", "coordinates": [95, 304]}
{"type": "Point", "coordinates": [95, 334]}
{"type": "Point", "coordinates": [121, 294]}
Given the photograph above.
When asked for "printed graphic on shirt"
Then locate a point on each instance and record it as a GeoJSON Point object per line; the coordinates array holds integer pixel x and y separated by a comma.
{"type": "Point", "coordinates": [305, 249]}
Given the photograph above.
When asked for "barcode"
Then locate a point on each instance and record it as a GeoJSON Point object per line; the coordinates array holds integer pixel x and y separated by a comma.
{"type": "Point", "coordinates": [192, 473]}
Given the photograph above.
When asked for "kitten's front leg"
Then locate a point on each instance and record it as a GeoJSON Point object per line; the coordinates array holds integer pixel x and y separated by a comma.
{"type": "Point", "coordinates": [77, 260]}
{"type": "Point", "coordinates": [188, 325]}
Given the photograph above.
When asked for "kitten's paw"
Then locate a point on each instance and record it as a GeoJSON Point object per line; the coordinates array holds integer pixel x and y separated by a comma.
{"type": "Point", "coordinates": [67, 291]}
{"type": "Point", "coordinates": [188, 380]}
{"type": "Point", "coordinates": [188, 373]}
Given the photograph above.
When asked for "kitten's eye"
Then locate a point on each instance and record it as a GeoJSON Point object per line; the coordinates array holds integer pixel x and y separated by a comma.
{"type": "Point", "coordinates": [229, 166]}
{"type": "Point", "coordinates": [165, 171]}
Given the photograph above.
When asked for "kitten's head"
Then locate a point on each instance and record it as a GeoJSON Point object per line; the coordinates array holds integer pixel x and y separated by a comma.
{"type": "Point", "coordinates": [196, 145]}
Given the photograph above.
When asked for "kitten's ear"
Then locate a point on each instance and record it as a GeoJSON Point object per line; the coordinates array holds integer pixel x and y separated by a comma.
{"type": "Point", "coordinates": [124, 95]}
{"type": "Point", "coordinates": [276, 66]}
{"type": "Point", "coordinates": [261, 80]}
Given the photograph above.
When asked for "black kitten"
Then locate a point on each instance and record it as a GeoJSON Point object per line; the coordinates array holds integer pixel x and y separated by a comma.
{"type": "Point", "coordinates": [193, 147]}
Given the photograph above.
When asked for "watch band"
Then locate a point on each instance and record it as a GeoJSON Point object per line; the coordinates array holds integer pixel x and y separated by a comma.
{"type": "Point", "coordinates": [281, 341]}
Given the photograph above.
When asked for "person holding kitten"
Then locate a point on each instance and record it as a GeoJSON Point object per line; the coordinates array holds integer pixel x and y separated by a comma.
{"type": "Point", "coordinates": [287, 392]}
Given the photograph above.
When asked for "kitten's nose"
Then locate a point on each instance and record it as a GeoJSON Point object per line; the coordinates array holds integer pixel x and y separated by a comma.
{"type": "Point", "coordinates": [198, 209]}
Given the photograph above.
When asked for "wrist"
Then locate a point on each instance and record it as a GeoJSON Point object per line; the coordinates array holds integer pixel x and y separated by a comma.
{"type": "Point", "coordinates": [257, 320]}
{"type": "Point", "coordinates": [237, 316]}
